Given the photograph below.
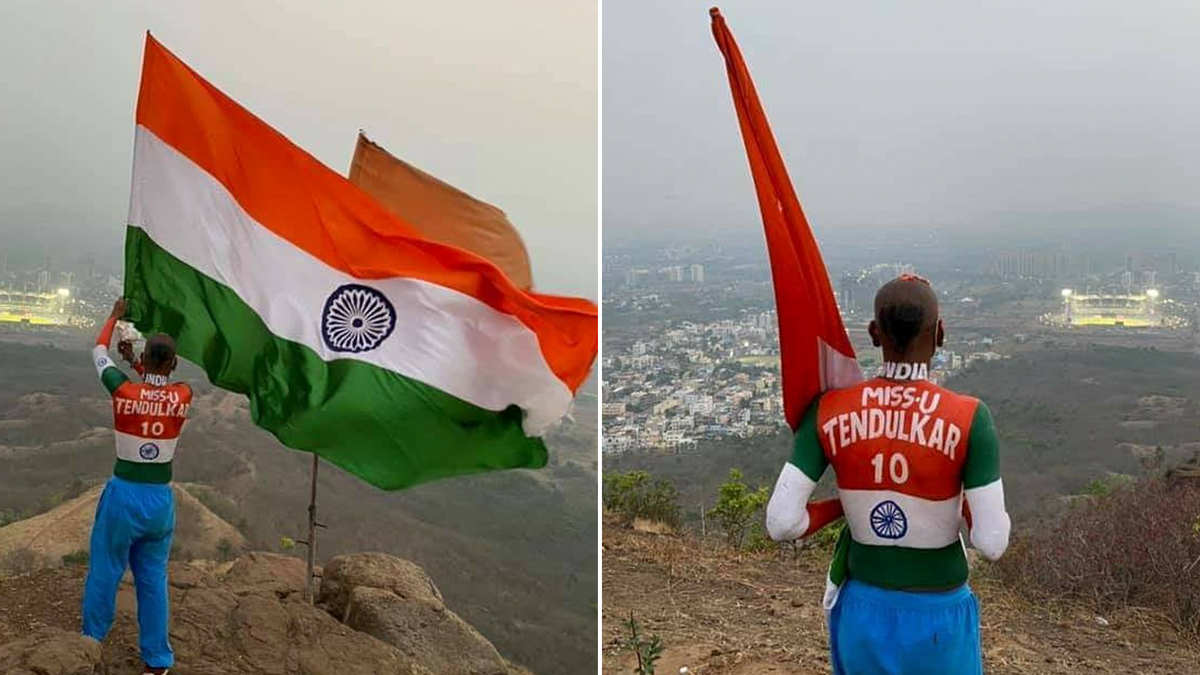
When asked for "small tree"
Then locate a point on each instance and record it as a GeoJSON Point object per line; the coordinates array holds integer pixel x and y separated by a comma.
{"type": "Point", "coordinates": [738, 506]}
{"type": "Point", "coordinates": [647, 651]}
{"type": "Point", "coordinates": [635, 495]}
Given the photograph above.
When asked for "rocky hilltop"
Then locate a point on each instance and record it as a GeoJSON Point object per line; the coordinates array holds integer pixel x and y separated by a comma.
{"type": "Point", "coordinates": [375, 614]}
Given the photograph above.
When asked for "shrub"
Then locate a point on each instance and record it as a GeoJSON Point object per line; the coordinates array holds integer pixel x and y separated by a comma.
{"type": "Point", "coordinates": [635, 495]}
{"type": "Point", "coordinates": [1137, 545]}
{"type": "Point", "coordinates": [737, 507]}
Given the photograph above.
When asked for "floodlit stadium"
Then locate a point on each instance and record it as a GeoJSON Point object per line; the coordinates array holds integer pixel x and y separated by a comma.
{"type": "Point", "coordinates": [35, 309]}
{"type": "Point", "coordinates": [1144, 310]}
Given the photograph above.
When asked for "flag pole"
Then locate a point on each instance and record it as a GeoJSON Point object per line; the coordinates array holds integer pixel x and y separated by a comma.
{"type": "Point", "coordinates": [309, 594]}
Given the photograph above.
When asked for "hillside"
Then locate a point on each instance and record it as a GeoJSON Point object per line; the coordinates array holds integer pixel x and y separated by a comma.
{"type": "Point", "coordinates": [1065, 418]}
{"type": "Point", "coordinates": [43, 540]}
{"type": "Point", "coordinates": [514, 552]}
{"type": "Point", "coordinates": [719, 612]}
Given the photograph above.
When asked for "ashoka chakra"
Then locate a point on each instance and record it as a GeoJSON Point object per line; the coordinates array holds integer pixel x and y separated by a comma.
{"type": "Point", "coordinates": [888, 520]}
{"type": "Point", "coordinates": [356, 318]}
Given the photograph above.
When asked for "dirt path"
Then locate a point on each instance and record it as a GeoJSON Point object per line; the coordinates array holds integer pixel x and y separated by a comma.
{"type": "Point", "coordinates": [720, 612]}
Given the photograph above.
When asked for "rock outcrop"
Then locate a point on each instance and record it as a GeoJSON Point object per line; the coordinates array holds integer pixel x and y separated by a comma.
{"type": "Point", "coordinates": [396, 601]}
{"type": "Point", "coordinates": [378, 614]}
{"type": "Point", "coordinates": [50, 651]}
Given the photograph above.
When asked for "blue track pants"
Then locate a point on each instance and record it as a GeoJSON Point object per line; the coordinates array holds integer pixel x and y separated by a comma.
{"type": "Point", "coordinates": [134, 524]}
{"type": "Point", "coordinates": [875, 631]}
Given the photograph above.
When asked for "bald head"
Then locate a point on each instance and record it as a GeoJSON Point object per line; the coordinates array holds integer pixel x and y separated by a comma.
{"type": "Point", "coordinates": [159, 354]}
{"type": "Point", "coordinates": [906, 319]}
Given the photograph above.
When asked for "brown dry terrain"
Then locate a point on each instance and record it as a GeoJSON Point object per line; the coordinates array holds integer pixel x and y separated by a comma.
{"type": "Point", "coordinates": [43, 540]}
{"type": "Point", "coordinates": [722, 612]}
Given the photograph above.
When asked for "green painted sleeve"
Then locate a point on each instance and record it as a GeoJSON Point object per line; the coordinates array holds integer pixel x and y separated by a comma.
{"type": "Point", "coordinates": [112, 377]}
{"type": "Point", "coordinates": [983, 451]}
{"type": "Point", "coordinates": [807, 454]}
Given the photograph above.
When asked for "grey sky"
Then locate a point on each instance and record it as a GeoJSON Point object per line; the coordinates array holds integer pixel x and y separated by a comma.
{"type": "Point", "coordinates": [498, 98]}
{"type": "Point", "coordinates": [893, 113]}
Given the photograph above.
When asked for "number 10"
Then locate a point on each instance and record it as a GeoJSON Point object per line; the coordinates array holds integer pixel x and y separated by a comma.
{"type": "Point", "coordinates": [897, 468]}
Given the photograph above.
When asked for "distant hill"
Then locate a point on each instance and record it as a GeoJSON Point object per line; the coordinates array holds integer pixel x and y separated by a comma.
{"type": "Point", "coordinates": [45, 539]}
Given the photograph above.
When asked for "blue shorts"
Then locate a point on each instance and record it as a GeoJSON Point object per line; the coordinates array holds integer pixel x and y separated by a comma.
{"type": "Point", "coordinates": [876, 631]}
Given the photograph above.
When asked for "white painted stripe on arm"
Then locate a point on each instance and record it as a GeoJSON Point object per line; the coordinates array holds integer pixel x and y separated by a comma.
{"type": "Point", "coordinates": [990, 524]}
{"type": "Point", "coordinates": [787, 512]}
{"type": "Point", "coordinates": [442, 337]}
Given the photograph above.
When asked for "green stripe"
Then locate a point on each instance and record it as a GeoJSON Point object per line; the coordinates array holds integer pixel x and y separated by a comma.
{"type": "Point", "coordinates": [392, 431]}
{"type": "Point", "coordinates": [908, 568]}
{"type": "Point", "coordinates": [112, 377]}
{"type": "Point", "coordinates": [143, 472]}
{"type": "Point", "coordinates": [982, 465]}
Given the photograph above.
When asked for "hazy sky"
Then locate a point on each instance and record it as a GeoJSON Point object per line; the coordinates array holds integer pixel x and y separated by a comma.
{"type": "Point", "coordinates": [893, 113]}
{"type": "Point", "coordinates": [499, 99]}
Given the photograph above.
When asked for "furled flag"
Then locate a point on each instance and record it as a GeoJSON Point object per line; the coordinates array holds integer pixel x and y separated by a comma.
{"type": "Point", "coordinates": [440, 211]}
{"type": "Point", "coordinates": [396, 357]}
{"type": "Point", "coordinates": [815, 351]}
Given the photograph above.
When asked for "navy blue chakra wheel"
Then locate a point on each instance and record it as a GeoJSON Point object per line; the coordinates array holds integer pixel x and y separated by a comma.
{"type": "Point", "coordinates": [356, 319]}
{"type": "Point", "coordinates": [148, 451]}
{"type": "Point", "coordinates": [888, 520]}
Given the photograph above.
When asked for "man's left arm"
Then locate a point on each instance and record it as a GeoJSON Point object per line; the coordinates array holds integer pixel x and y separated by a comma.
{"type": "Point", "coordinates": [983, 488]}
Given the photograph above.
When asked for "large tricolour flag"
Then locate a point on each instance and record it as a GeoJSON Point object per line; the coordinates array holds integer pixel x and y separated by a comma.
{"type": "Point", "coordinates": [397, 358]}
{"type": "Point", "coordinates": [815, 351]}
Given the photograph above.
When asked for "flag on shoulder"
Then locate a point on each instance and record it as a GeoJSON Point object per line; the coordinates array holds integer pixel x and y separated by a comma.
{"type": "Point", "coordinates": [814, 349]}
{"type": "Point", "coordinates": [398, 357]}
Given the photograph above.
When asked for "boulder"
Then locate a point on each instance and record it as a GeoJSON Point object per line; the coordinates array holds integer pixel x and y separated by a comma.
{"type": "Point", "coordinates": [426, 632]}
{"type": "Point", "coordinates": [344, 573]}
{"type": "Point", "coordinates": [50, 651]}
{"type": "Point", "coordinates": [396, 602]}
{"type": "Point", "coordinates": [270, 572]}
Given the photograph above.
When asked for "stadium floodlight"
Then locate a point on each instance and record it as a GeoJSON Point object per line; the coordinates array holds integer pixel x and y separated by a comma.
{"type": "Point", "coordinates": [64, 292]}
{"type": "Point", "coordinates": [1066, 292]}
{"type": "Point", "coordinates": [1152, 293]}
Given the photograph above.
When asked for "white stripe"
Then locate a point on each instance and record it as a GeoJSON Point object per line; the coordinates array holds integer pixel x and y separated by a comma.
{"type": "Point", "coordinates": [836, 370]}
{"type": "Point", "coordinates": [444, 338]}
{"type": "Point", "coordinates": [927, 523]}
{"type": "Point", "coordinates": [990, 525]}
{"type": "Point", "coordinates": [145, 450]}
{"type": "Point", "coordinates": [787, 512]}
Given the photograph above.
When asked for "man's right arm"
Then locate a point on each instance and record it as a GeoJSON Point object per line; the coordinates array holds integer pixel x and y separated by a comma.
{"type": "Point", "coordinates": [789, 513]}
{"type": "Point", "coordinates": [110, 375]}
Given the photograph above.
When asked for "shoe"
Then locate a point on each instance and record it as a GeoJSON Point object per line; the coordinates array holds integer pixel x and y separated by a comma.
{"type": "Point", "coordinates": [147, 670]}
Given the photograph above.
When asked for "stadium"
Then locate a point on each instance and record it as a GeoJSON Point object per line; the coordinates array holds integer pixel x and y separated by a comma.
{"type": "Point", "coordinates": [35, 309]}
{"type": "Point", "coordinates": [1128, 310]}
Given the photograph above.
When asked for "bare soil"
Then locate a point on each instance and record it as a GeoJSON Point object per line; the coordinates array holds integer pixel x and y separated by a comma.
{"type": "Point", "coordinates": [719, 611]}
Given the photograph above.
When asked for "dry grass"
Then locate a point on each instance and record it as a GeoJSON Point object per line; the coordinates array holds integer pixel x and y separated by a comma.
{"type": "Point", "coordinates": [720, 611]}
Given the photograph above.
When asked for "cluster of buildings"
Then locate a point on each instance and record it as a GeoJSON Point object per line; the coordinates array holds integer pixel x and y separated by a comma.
{"type": "Point", "coordinates": [44, 298]}
{"type": "Point", "coordinates": [692, 382]}
{"type": "Point", "coordinates": [644, 276]}
{"type": "Point", "coordinates": [698, 381]}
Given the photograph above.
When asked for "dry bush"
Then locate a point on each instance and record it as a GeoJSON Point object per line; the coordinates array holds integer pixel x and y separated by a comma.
{"type": "Point", "coordinates": [1138, 546]}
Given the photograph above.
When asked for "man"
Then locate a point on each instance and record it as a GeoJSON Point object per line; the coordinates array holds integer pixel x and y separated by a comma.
{"type": "Point", "coordinates": [905, 453]}
{"type": "Point", "coordinates": [135, 517]}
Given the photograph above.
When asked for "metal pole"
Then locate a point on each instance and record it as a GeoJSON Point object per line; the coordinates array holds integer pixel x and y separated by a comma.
{"type": "Point", "coordinates": [309, 593]}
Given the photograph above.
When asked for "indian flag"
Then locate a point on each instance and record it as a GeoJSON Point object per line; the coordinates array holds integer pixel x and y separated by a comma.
{"type": "Point", "coordinates": [397, 358]}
